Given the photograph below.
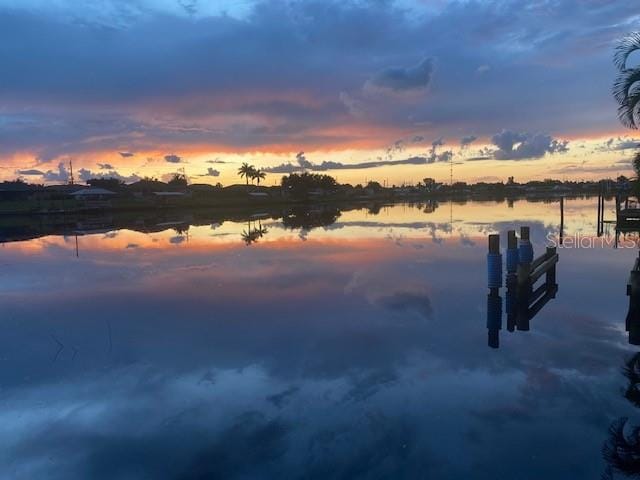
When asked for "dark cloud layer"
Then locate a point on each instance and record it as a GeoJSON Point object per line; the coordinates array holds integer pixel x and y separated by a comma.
{"type": "Point", "coordinates": [30, 172]}
{"type": "Point", "coordinates": [518, 146]}
{"type": "Point", "coordinates": [331, 165]}
{"type": "Point", "coordinates": [126, 78]}
{"type": "Point", "coordinates": [403, 80]}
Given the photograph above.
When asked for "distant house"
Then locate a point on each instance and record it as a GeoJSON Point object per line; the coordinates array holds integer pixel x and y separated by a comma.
{"type": "Point", "coordinates": [16, 191]}
{"type": "Point", "coordinates": [169, 194]}
{"type": "Point", "coordinates": [258, 195]}
{"type": "Point", "coordinates": [60, 192]}
{"type": "Point", "coordinates": [93, 197]}
{"type": "Point", "coordinates": [168, 197]}
{"type": "Point", "coordinates": [93, 193]}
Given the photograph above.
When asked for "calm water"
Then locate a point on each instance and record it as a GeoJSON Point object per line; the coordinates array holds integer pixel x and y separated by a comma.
{"type": "Point", "coordinates": [357, 349]}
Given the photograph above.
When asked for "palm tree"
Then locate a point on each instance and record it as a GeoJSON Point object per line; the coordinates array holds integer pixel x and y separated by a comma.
{"type": "Point", "coordinates": [253, 234]}
{"type": "Point", "coordinates": [259, 175]}
{"type": "Point", "coordinates": [246, 171]}
{"type": "Point", "coordinates": [626, 88]}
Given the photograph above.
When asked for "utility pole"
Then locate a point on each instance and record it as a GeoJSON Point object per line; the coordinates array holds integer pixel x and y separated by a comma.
{"type": "Point", "coordinates": [451, 171]}
{"type": "Point", "coordinates": [71, 170]}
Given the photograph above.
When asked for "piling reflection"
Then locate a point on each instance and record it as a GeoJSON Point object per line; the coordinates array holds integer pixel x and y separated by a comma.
{"type": "Point", "coordinates": [524, 300]}
{"type": "Point", "coordinates": [621, 450]}
{"type": "Point", "coordinates": [632, 321]}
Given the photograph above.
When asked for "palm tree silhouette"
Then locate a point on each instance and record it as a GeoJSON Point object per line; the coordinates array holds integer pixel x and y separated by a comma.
{"type": "Point", "coordinates": [246, 171]}
{"type": "Point", "coordinates": [252, 235]}
{"type": "Point", "coordinates": [631, 371]}
{"type": "Point", "coordinates": [259, 175]}
{"type": "Point", "coordinates": [626, 88]}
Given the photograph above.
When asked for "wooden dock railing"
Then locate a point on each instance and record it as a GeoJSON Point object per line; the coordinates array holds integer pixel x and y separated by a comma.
{"type": "Point", "coordinates": [524, 300]}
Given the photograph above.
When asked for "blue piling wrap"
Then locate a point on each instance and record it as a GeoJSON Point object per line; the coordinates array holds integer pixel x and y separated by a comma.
{"type": "Point", "coordinates": [512, 260]}
{"type": "Point", "coordinates": [525, 252]}
{"type": "Point", "coordinates": [494, 312]}
{"type": "Point", "coordinates": [494, 270]}
{"type": "Point", "coordinates": [510, 302]}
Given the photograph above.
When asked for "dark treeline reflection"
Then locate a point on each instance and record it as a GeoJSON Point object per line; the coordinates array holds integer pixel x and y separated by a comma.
{"type": "Point", "coordinates": [621, 451]}
{"type": "Point", "coordinates": [299, 217]}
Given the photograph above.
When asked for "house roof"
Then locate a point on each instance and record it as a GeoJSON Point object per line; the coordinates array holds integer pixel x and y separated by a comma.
{"type": "Point", "coordinates": [16, 187]}
{"type": "Point", "coordinates": [92, 191]}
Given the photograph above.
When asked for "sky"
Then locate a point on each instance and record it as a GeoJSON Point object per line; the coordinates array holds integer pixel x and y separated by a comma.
{"type": "Point", "coordinates": [393, 91]}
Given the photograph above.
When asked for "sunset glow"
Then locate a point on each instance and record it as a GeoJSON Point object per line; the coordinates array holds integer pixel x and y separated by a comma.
{"type": "Point", "coordinates": [157, 87]}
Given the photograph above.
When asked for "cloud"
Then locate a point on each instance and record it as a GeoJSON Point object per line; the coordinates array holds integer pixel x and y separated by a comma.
{"type": "Point", "coordinates": [617, 168]}
{"type": "Point", "coordinates": [217, 161]}
{"type": "Point", "coordinates": [30, 172]}
{"type": "Point", "coordinates": [482, 69]}
{"type": "Point", "coordinates": [432, 156]}
{"type": "Point", "coordinates": [479, 158]}
{"type": "Point", "coordinates": [126, 154]}
{"type": "Point", "coordinates": [418, 302]}
{"type": "Point", "coordinates": [85, 174]}
{"type": "Point", "coordinates": [60, 175]}
{"type": "Point", "coordinates": [172, 158]}
{"type": "Point", "coordinates": [468, 140]}
{"type": "Point", "coordinates": [354, 106]}
{"type": "Point", "coordinates": [105, 166]}
{"type": "Point", "coordinates": [518, 146]}
{"type": "Point", "coordinates": [141, 96]}
{"type": "Point", "coordinates": [302, 161]}
{"type": "Point", "coordinates": [211, 172]}
{"type": "Point", "coordinates": [287, 168]}
{"type": "Point", "coordinates": [620, 143]}
{"type": "Point", "coordinates": [402, 80]}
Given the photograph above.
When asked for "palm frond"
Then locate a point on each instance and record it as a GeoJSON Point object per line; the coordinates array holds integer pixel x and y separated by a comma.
{"type": "Point", "coordinates": [626, 47]}
{"type": "Point", "coordinates": [624, 83]}
{"type": "Point", "coordinates": [629, 109]}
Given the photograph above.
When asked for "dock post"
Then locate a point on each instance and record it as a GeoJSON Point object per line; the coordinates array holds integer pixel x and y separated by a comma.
{"type": "Point", "coordinates": [494, 301]}
{"type": "Point", "coordinates": [561, 219]}
{"type": "Point", "coordinates": [511, 300]}
{"type": "Point", "coordinates": [494, 318]}
{"type": "Point", "coordinates": [524, 282]}
{"type": "Point", "coordinates": [599, 219]}
{"type": "Point", "coordinates": [512, 253]}
{"type": "Point", "coordinates": [494, 262]}
{"type": "Point", "coordinates": [551, 284]}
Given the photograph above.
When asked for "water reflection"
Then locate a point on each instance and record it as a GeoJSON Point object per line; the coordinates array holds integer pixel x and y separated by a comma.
{"type": "Point", "coordinates": [302, 217]}
{"type": "Point", "coordinates": [353, 354]}
{"type": "Point", "coordinates": [621, 451]}
{"type": "Point", "coordinates": [524, 300]}
{"type": "Point", "coordinates": [632, 321]}
{"type": "Point", "coordinates": [253, 233]}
